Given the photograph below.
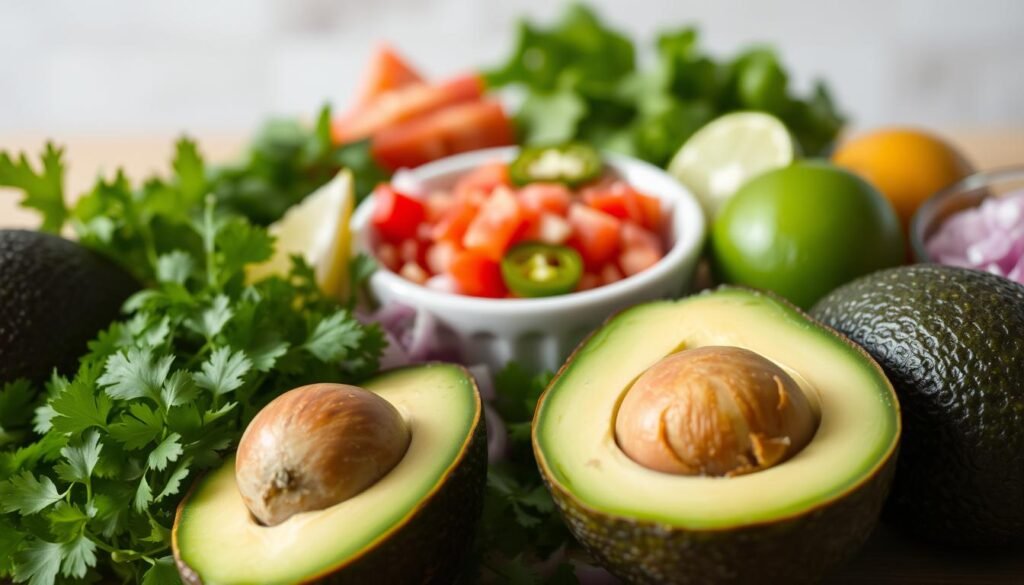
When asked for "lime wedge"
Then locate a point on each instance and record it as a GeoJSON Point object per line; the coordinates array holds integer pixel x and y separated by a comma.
{"type": "Point", "coordinates": [316, 229]}
{"type": "Point", "coordinates": [723, 155]}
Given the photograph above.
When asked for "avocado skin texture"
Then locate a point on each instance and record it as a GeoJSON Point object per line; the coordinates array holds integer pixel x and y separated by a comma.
{"type": "Point", "coordinates": [648, 553]}
{"type": "Point", "coordinates": [951, 341]}
{"type": "Point", "coordinates": [55, 296]}
{"type": "Point", "coordinates": [434, 544]}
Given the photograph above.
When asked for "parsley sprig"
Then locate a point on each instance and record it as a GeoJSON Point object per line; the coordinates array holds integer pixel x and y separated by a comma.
{"type": "Point", "coordinates": [89, 492]}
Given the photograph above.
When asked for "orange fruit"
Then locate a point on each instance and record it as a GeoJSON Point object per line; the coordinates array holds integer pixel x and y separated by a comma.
{"type": "Point", "coordinates": [908, 166]}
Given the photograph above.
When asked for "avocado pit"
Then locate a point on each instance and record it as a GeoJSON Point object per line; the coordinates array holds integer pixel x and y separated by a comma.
{"type": "Point", "coordinates": [316, 446]}
{"type": "Point", "coordinates": [713, 411]}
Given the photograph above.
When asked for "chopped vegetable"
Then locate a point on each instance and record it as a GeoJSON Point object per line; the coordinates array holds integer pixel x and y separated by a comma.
{"type": "Point", "coordinates": [582, 83]}
{"type": "Point", "coordinates": [534, 269]}
{"type": "Point", "coordinates": [570, 164]}
{"type": "Point", "coordinates": [477, 275]}
{"type": "Point", "coordinates": [396, 216]}
{"type": "Point", "coordinates": [989, 237]}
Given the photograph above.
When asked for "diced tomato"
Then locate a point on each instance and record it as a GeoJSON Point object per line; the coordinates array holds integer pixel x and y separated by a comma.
{"type": "Point", "coordinates": [414, 272]}
{"type": "Point", "coordinates": [387, 255]}
{"type": "Point", "coordinates": [610, 273]}
{"type": "Point", "coordinates": [388, 71]}
{"type": "Point", "coordinates": [455, 129]}
{"type": "Point", "coordinates": [588, 281]}
{"type": "Point", "coordinates": [537, 198]}
{"type": "Point", "coordinates": [652, 211]}
{"type": "Point", "coordinates": [413, 250]}
{"type": "Point", "coordinates": [595, 234]}
{"type": "Point", "coordinates": [396, 216]}
{"type": "Point", "coordinates": [477, 275]}
{"type": "Point", "coordinates": [495, 226]}
{"type": "Point", "coordinates": [634, 236]}
{"type": "Point", "coordinates": [438, 205]}
{"type": "Point", "coordinates": [452, 227]}
{"type": "Point", "coordinates": [482, 180]}
{"type": "Point", "coordinates": [634, 260]}
{"type": "Point", "coordinates": [439, 256]}
{"type": "Point", "coordinates": [622, 201]}
{"type": "Point", "coordinates": [392, 108]}
{"type": "Point", "coordinates": [551, 229]}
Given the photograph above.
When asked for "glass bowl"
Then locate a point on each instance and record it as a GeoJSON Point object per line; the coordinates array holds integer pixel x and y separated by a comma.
{"type": "Point", "coordinates": [969, 192]}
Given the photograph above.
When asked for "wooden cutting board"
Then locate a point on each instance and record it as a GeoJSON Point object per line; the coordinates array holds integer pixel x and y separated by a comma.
{"type": "Point", "coordinates": [889, 557]}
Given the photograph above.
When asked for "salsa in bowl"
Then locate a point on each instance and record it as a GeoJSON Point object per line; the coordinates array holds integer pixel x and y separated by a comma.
{"type": "Point", "coordinates": [540, 317]}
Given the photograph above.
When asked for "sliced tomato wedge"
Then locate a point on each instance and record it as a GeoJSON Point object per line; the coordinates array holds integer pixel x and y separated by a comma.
{"type": "Point", "coordinates": [388, 71]}
{"type": "Point", "coordinates": [477, 275]}
{"type": "Point", "coordinates": [458, 128]}
{"type": "Point", "coordinates": [595, 234]}
{"type": "Point", "coordinates": [406, 103]}
{"type": "Point", "coordinates": [481, 181]}
{"type": "Point", "coordinates": [538, 198]}
{"type": "Point", "coordinates": [494, 228]}
{"type": "Point", "coordinates": [396, 217]}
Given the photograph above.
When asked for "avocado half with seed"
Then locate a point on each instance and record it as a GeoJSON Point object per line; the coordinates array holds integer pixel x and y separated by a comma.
{"type": "Point", "coordinates": [413, 525]}
{"type": "Point", "coordinates": [732, 371]}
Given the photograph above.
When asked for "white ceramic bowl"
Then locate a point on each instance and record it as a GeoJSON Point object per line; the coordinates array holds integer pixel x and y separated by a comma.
{"type": "Point", "coordinates": [540, 333]}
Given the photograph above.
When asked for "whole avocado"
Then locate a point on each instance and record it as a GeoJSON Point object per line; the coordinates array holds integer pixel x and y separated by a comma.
{"type": "Point", "coordinates": [951, 341]}
{"type": "Point", "coordinates": [55, 296]}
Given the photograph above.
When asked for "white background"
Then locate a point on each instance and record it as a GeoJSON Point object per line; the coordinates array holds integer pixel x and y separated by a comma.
{"type": "Point", "coordinates": [115, 67]}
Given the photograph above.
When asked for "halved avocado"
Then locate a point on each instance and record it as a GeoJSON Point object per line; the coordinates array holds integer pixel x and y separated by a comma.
{"type": "Point", "coordinates": [415, 525]}
{"type": "Point", "coordinates": [789, 523]}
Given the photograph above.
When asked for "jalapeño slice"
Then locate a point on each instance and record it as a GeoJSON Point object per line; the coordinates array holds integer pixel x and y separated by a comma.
{"type": "Point", "coordinates": [571, 164]}
{"type": "Point", "coordinates": [535, 269]}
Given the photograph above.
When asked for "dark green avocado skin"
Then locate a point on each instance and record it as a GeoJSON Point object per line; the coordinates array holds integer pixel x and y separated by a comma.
{"type": "Point", "coordinates": [647, 553]}
{"type": "Point", "coordinates": [55, 296]}
{"type": "Point", "coordinates": [951, 342]}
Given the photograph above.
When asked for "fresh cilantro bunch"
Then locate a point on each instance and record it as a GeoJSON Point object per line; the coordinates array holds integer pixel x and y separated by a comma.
{"type": "Point", "coordinates": [582, 82]}
{"type": "Point", "coordinates": [521, 528]}
{"type": "Point", "coordinates": [288, 160]}
{"type": "Point", "coordinates": [89, 493]}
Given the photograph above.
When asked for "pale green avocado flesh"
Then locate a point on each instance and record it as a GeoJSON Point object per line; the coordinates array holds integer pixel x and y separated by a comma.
{"type": "Point", "coordinates": [574, 434]}
{"type": "Point", "coordinates": [218, 540]}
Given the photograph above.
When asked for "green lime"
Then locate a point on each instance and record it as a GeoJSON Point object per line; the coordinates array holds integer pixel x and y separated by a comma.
{"type": "Point", "coordinates": [803, 230]}
{"type": "Point", "coordinates": [730, 150]}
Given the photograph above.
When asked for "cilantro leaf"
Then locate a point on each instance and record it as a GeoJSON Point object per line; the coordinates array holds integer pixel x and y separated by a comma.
{"type": "Point", "coordinates": [173, 484]}
{"type": "Point", "coordinates": [137, 428]}
{"type": "Point", "coordinates": [143, 495]}
{"type": "Point", "coordinates": [213, 319]}
{"type": "Point", "coordinates": [224, 371]}
{"type": "Point", "coordinates": [80, 459]}
{"type": "Point", "coordinates": [43, 190]}
{"type": "Point", "coordinates": [334, 338]}
{"type": "Point", "coordinates": [135, 374]}
{"type": "Point", "coordinates": [79, 555]}
{"type": "Point", "coordinates": [189, 171]}
{"type": "Point", "coordinates": [162, 572]}
{"type": "Point", "coordinates": [10, 541]}
{"type": "Point", "coordinates": [78, 407]}
{"type": "Point", "coordinates": [25, 494]}
{"type": "Point", "coordinates": [175, 266]}
{"type": "Point", "coordinates": [166, 451]}
{"type": "Point", "coordinates": [38, 562]}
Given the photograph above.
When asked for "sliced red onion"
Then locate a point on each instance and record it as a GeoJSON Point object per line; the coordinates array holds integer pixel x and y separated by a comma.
{"type": "Point", "coordinates": [484, 381]}
{"type": "Point", "coordinates": [594, 575]}
{"type": "Point", "coordinates": [989, 237]}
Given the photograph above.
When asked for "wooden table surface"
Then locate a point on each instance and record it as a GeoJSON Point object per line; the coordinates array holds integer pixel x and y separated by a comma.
{"type": "Point", "coordinates": [888, 559]}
